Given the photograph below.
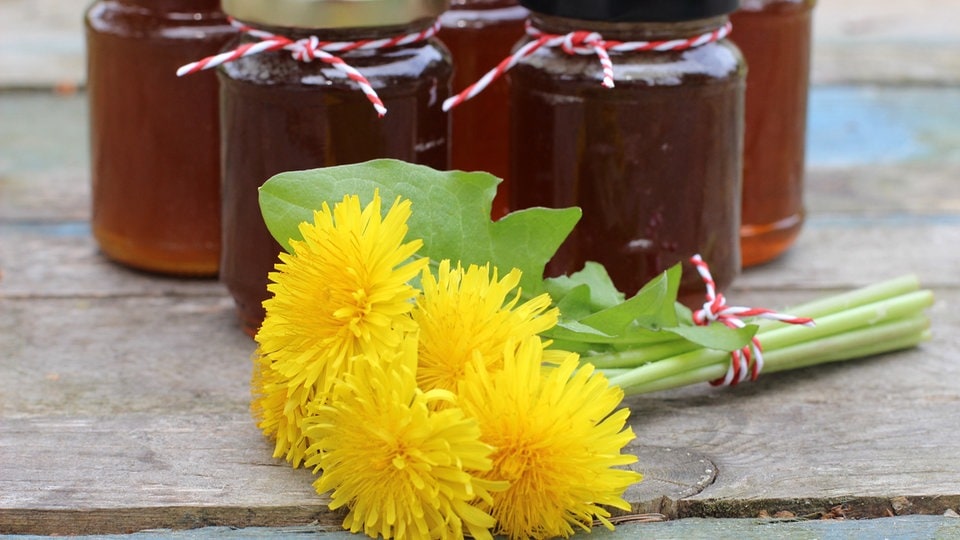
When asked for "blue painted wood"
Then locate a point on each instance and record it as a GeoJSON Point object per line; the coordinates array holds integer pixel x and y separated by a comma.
{"type": "Point", "coordinates": [861, 125]}
{"type": "Point", "coordinates": [901, 528]}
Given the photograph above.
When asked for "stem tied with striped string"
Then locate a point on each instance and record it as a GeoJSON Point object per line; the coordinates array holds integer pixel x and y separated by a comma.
{"type": "Point", "coordinates": [879, 318]}
{"type": "Point", "coordinates": [747, 362]}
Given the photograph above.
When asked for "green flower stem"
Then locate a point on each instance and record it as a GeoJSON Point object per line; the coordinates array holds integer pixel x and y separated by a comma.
{"type": "Point", "coordinates": [885, 310]}
{"type": "Point", "coordinates": [817, 309]}
{"type": "Point", "coordinates": [851, 299]}
{"type": "Point", "coordinates": [881, 338]}
{"type": "Point", "coordinates": [889, 309]}
{"type": "Point", "coordinates": [877, 340]}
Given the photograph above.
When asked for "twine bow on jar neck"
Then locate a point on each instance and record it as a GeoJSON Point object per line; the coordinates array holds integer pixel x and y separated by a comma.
{"type": "Point", "coordinates": [309, 49]}
{"type": "Point", "coordinates": [583, 42]}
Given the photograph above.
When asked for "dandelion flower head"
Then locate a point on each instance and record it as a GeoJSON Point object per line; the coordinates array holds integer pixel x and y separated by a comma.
{"type": "Point", "coordinates": [558, 440]}
{"type": "Point", "coordinates": [341, 292]}
{"type": "Point", "coordinates": [467, 313]}
{"type": "Point", "coordinates": [399, 466]}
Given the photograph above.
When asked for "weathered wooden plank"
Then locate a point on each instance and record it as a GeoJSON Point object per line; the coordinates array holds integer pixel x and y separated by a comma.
{"type": "Point", "coordinates": [871, 190]}
{"type": "Point", "coordinates": [781, 529]}
{"type": "Point", "coordinates": [879, 41]}
{"type": "Point", "coordinates": [129, 472]}
{"type": "Point", "coordinates": [121, 404]}
{"type": "Point", "coordinates": [882, 125]}
{"type": "Point", "coordinates": [920, 527]}
{"type": "Point", "coordinates": [127, 413]}
{"type": "Point", "coordinates": [63, 260]}
{"type": "Point", "coordinates": [93, 356]}
{"type": "Point", "coordinates": [41, 42]}
{"type": "Point", "coordinates": [880, 427]}
{"type": "Point", "coordinates": [43, 157]}
{"type": "Point", "coordinates": [830, 254]}
{"type": "Point", "coordinates": [919, 60]}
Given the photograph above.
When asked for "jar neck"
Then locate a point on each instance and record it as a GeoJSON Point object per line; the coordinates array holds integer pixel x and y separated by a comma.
{"type": "Point", "coordinates": [175, 6]}
{"type": "Point", "coordinates": [481, 4]}
{"type": "Point", "coordinates": [348, 34]}
{"type": "Point", "coordinates": [628, 31]}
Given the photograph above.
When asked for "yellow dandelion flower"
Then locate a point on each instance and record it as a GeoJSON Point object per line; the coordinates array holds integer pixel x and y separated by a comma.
{"type": "Point", "coordinates": [463, 313]}
{"type": "Point", "coordinates": [398, 465]}
{"type": "Point", "coordinates": [557, 440]}
{"type": "Point", "coordinates": [269, 391]}
{"type": "Point", "coordinates": [343, 291]}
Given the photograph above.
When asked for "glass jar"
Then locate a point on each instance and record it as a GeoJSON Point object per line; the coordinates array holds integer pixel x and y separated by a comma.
{"type": "Point", "coordinates": [479, 34]}
{"type": "Point", "coordinates": [655, 161]}
{"type": "Point", "coordinates": [774, 36]}
{"type": "Point", "coordinates": [279, 114]}
{"type": "Point", "coordinates": [154, 138]}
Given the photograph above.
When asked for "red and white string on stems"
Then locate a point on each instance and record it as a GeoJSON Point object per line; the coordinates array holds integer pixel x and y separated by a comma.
{"type": "Point", "coordinates": [748, 361]}
{"type": "Point", "coordinates": [582, 42]}
{"type": "Point", "coordinates": [308, 49]}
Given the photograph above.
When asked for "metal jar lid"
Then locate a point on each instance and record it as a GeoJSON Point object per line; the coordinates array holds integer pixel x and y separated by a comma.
{"type": "Point", "coordinates": [633, 10]}
{"type": "Point", "coordinates": [333, 13]}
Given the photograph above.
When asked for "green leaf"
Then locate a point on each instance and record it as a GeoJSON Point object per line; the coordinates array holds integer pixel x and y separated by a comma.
{"type": "Point", "coordinates": [451, 213]}
{"type": "Point", "coordinates": [601, 293]}
{"type": "Point", "coordinates": [652, 307]}
{"type": "Point", "coordinates": [716, 335]}
{"type": "Point", "coordinates": [624, 324]}
{"type": "Point", "coordinates": [574, 304]}
{"type": "Point", "coordinates": [576, 331]}
{"type": "Point", "coordinates": [526, 239]}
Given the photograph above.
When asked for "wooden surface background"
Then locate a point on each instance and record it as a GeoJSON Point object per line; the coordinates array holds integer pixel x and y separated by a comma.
{"type": "Point", "coordinates": [123, 396]}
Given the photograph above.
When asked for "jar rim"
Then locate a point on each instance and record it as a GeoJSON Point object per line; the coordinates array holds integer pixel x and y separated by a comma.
{"type": "Point", "coordinates": [333, 13]}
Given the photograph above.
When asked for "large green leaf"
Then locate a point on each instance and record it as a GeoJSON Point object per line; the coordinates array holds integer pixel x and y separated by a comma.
{"type": "Point", "coordinates": [451, 213]}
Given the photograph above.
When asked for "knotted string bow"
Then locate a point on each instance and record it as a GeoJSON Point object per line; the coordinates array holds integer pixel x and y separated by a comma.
{"type": "Point", "coordinates": [309, 49]}
{"type": "Point", "coordinates": [748, 361]}
{"type": "Point", "coordinates": [582, 42]}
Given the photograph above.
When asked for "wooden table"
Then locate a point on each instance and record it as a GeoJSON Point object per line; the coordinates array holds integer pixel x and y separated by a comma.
{"type": "Point", "coordinates": [124, 396]}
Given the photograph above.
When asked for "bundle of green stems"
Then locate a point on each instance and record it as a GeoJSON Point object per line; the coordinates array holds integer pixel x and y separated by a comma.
{"type": "Point", "coordinates": [875, 319]}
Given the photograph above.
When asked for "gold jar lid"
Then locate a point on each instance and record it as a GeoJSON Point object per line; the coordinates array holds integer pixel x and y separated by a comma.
{"type": "Point", "coordinates": [333, 13]}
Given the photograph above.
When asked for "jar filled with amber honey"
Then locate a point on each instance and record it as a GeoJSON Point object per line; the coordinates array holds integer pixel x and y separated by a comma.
{"type": "Point", "coordinates": [633, 111]}
{"type": "Point", "coordinates": [281, 113]}
{"type": "Point", "coordinates": [774, 36]}
{"type": "Point", "coordinates": [480, 33]}
{"type": "Point", "coordinates": [154, 138]}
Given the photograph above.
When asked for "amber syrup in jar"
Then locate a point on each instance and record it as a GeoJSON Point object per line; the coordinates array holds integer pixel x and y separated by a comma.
{"type": "Point", "coordinates": [774, 36]}
{"type": "Point", "coordinates": [479, 34]}
{"type": "Point", "coordinates": [279, 114]}
{"type": "Point", "coordinates": [154, 138]}
{"type": "Point", "coordinates": [654, 162]}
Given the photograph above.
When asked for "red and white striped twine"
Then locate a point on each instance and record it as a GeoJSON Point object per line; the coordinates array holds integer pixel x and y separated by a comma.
{"type": "Point", "coordinates": [748, 361]}
{"type": "Point", "coordinates": [308, 49]}
{"type": "Point", "coordinates": [582, 42]}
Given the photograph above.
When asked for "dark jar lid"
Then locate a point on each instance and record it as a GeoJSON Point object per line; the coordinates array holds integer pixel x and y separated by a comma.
{"type": "Point", "coordinates": [633, 10]}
